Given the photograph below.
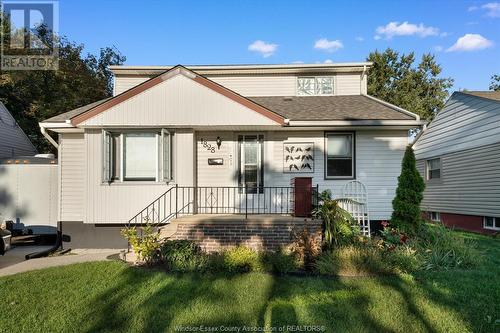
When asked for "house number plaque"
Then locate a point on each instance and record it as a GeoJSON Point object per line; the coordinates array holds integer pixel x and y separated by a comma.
{"type": "Point", "coordinates": [207, 146]}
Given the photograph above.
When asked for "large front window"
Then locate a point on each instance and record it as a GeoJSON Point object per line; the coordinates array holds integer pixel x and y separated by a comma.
{"type": "Point", "coordinates": [140, 156]}
{"type": "Point", "coordinates": [136, 156]}
{"type": "Point", "coordinates": [339, 155]}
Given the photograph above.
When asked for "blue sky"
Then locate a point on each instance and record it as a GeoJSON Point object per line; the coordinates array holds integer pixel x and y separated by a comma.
{"type": "Point", "coordinates": [464, 35]}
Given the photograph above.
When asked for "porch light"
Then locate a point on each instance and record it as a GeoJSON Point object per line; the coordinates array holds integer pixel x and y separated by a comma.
{"type": "Point", "coordinates": [218, 141]}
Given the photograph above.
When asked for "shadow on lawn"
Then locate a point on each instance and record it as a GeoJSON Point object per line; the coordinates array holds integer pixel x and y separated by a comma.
{"type": "Point", "coordinates": [158, 302]}
{"type": "Point", "coordinates": [166, 299]}
{"type": "Point", "coordinates": [326, 302]}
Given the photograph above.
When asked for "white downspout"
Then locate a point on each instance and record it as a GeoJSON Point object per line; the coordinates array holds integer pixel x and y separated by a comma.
{"type": "Point", "coordinates": [362, 86]}
{"type": "Point", "coordinates": [48, 137]}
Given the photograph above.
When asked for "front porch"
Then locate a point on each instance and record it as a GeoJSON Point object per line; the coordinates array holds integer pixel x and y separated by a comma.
{"type": "Point", "coordinates": [214, 232]}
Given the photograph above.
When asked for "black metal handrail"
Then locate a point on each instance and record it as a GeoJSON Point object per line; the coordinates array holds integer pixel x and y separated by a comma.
{"type": "Point", "coordinates": [188, 200]}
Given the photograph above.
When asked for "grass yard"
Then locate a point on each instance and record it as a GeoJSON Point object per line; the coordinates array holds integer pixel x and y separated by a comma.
{"type": "Point", "coordinates": [110, 296]}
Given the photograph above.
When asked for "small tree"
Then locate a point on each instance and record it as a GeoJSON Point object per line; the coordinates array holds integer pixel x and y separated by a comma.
{"type": "Point", "coordinates": [406, 205]}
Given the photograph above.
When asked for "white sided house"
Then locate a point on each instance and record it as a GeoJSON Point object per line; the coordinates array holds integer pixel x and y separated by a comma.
{"type": "Point", "coordinates": [459, 157]}
{"type": "Point", "coordinates": [223, 153]}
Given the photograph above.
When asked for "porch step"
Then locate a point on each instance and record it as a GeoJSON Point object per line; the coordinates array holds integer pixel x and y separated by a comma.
{"type": "Point", "coordinates": [168, 230]}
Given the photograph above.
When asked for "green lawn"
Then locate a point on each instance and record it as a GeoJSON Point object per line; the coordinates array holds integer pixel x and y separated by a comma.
{"type": "Point", "coordinates": [110, 296]}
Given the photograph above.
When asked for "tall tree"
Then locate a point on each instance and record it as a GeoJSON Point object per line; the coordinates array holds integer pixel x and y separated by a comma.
{"type": "Point", "coordinates": [34, 95]}
{"type": "Point", "coordinates": [409, 194]}
{"type": "Point", "coordinates": [417, 88]}
{"type": "Point", "coordinates": [495, 82]}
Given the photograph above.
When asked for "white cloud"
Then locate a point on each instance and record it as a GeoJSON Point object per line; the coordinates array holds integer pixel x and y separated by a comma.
{"type": "Point", "coordinates": [492, 9]}
{"type": "Point", "coordinates": [470, 42]}
{"type": "Point", "coordinates": [377, 37]}
{"type": "Point", "coordinates": [328, 61]}
{"type": "Point", "coordinates": [406, 29]}
{"type": "Point", "coordinates": [328, 45]}
{"type": "Point", "coordinates": [297, 62]}
{"type": "Point", "coordinates": [264, 48]}
{"type": "Point", "coordinates": [472, 8]}
{"type": "Point", "coordinates": [360, 39]}
{"type": "Point", "coordinates": [438, 48]}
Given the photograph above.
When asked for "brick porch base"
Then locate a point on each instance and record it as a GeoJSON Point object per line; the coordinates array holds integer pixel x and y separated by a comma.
{"type": "Point", "coordinates": [258, 232]}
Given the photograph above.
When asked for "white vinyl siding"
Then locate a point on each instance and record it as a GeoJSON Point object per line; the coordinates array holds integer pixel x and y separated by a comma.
{"type": "Point", "coordinates": [465, 122]}
{"type": "Point", "coordinates": [378, 163]}
{"type": "Point", "coordinates": [118, 202]}
{"type": "Point", "coordinates": [72, 162]}
{"type": "Point", "coordinates": [124, 83]}
{"type": "Point", "coordinates": [348, 84]}
{"type": "Point", "coordinates": [260, 85]}
{"type": "Point", "coordinates": [179, 101]}
{"type": "Point", "coordinates": [470, 184]}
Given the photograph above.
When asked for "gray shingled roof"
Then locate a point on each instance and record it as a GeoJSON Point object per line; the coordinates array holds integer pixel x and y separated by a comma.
{"type": "Point", "coordinates": [494, 95]}
{"type": "Point", "coordinates": [61, 118]}
{"type": "Point", "coordinates": [356, 107]}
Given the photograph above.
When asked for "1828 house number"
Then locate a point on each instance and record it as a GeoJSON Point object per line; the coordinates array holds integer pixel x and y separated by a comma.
{"type": "Point", "coordinates": [207, 146]}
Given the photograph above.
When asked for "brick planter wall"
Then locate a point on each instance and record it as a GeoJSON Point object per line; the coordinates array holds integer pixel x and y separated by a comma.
{"type": "Point", "coordinates": [258, 235]}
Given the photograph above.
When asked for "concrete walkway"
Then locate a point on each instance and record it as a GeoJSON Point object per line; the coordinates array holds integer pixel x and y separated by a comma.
{"type": "Point", "coordinates": [13, 261]}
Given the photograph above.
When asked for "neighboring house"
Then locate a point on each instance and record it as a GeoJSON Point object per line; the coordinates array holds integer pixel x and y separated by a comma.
{"type": "Point", "coordinates": [13, 141]}
{"type": "Point", "coordinates": [223, 139]}
{"type": "Point", "coordinates": [459, 157]}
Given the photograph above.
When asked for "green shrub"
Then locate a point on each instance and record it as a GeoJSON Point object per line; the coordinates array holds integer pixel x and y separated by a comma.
{"type": "Point", "coordinates": [351, 260]}
{"type": "Point", "coordinates": [402, 258]}
{"type": "Point", "coordinates": [146, 246]}
{"type": "Point", "coordinates": [392, 237]}
{"type": "Point", "coordinates": [183, 256]}
{"type": "Point", "coordinates": [241, 259]}
{"type": "Point", "coordinates": [339, 228]}
{"type": "Point", "coordinates": [280, 262]}
{"type": "Point", "coordinates": [441, 248]}
{"type": "Point", "coordinates": [367, 259]}
{"type": "Point", "coordinates": [406, 213]}
{"type": "Point", "coordinates": [306, 247]}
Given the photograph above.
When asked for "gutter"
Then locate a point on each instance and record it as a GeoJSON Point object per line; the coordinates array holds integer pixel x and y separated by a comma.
{"type": "Point", "coordinates": [48, 137]}
{"type": "Point", "coordinates": [45, 126]}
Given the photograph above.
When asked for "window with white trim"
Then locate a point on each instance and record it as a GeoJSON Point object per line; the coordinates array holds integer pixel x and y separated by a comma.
{"type": "Point", "coordinates": [492, 223]}
{"type": "Point", "coordinates": [315, 85]}
{"type": "Point", "coordinates": [435, 216]}
{"type": "Point", "coordinates": [137, 156]}
{"type": "Point", "coordinates": [339, 155]}
{"type": "Point", "coordinates": [433, 168]}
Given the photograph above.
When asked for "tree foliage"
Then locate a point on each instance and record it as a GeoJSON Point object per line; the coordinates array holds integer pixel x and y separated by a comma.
{"type": "Point", "coordinates": [35, 95]}
{"type": "Point", "coordinates": [495, 82]}
{"type": "Point", "coordinates": [395, 79]}
{"type": "Point", "coordinates": [409, 194]}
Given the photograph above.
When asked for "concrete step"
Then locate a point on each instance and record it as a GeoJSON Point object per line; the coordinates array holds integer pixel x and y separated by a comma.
{"type": "Point", "coordinates": [168, 230]}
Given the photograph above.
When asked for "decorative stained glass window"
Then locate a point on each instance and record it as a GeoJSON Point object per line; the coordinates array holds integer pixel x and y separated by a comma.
{"type": "Point", "coordinates": [315, 86]}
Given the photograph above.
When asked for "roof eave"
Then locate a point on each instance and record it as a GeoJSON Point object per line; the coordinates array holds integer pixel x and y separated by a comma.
{"type": "Point", "coordinates": [245, 69]}
{"type": "Point", "coordinates": [322, 123]}
{"type": "Point", "coordinates": [397, 108]}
